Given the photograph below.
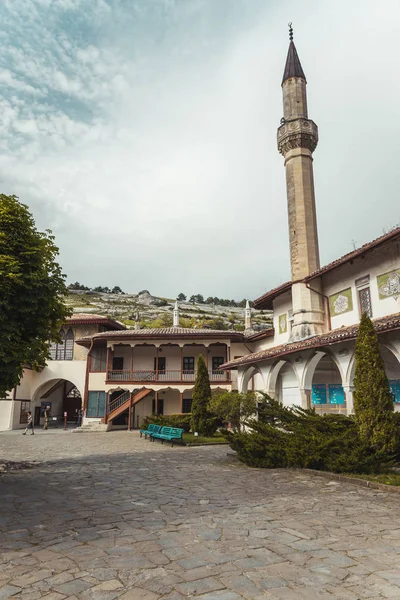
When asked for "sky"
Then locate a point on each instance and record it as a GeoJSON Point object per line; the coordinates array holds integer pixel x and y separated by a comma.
{"type": "Point", "coordinates": [143, 134]}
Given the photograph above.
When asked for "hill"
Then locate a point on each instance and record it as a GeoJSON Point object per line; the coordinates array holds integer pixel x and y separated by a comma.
{"type": "Point", "coordinates": [154, 311]}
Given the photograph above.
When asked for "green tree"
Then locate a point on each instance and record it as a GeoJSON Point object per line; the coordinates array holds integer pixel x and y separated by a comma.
{"type": "Point", "coordinates": [181, 297]}
{"type": "Point", "coordinates": [117, 290]}
{"type": "Point", "coordinates": [234, 407]}
{"type": "Point", "coordinates": [203, 420]}
{"type": "Point", "coordinates": [32, 292]}
{"type": "Point", "coordinates": [373, 401]}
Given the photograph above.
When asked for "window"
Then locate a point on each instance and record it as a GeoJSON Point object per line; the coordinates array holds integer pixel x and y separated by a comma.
{"type": "Point", "coordinates": [188, 363]}
{"type": "Point", "coordinates": [23, 415]}
{"type": "Point", "coordinates": [96, 404]}
{"type": "Point", "coordinates": [217, 361]}
{"type": "Point", "coordinates": [161, 364]}
{"type": "Point", "coordinates": [364, 298]}
{"type": "Point", "coordinates": [187, 405]}
{"type": "Point", "coordinates": [364, 295]}
{"type": "Point", "coordinates": [118, 363]}
{"type": "Point", "coordinates": [64, 349]}
{"type": "Point", "coordinates": [98, 359]}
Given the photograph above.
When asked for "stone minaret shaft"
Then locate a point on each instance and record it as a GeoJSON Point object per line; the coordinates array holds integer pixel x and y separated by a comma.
{"type": "Point", "coordinates": [297, 140]}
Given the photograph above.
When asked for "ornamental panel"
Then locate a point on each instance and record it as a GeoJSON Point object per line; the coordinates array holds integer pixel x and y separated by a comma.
{"type": "Point", "coordinates": [341, 302]}
{"type": "Point", "coordinates": [389, 285]}
{"type": "Point", "coordinates": [283, 323]}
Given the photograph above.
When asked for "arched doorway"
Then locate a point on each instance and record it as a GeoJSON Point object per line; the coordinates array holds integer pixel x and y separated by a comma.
{"type": "Point", "coordinates": [64, 399]}
{"type": "Point", "coordinates": [325, 380]}
{"type": "Point", "coordinates": [287, 389]}
{"type": "Point", "coordinates": [392, 369]}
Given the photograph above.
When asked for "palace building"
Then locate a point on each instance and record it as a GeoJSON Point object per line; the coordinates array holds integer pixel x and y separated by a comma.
{"type": "Point", "coordinates": [308, 360]}
{"type": "Point", "coordinates": [119, 376]}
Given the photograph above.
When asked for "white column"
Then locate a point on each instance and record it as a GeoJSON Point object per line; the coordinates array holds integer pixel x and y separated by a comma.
{"type": "Point", "coordinates": [247, 316]}
{"type": "Point", "coordinates": [348, 390]}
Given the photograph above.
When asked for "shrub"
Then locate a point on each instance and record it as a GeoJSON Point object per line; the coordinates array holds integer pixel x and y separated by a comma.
{"type": "Point", "coordinates": [203, 420]}
{"type": "Point", "coordinates": [373, 401]}
{"type": "Point", "coordinates": [180, 421]}
{"type": "Point", "coordinates": [299, 438]}
{"type": "Point", "coordinates": [233, 407]}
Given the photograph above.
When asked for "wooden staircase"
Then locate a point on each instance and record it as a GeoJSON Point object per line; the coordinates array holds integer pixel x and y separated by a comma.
{"type": "Point", "coordinates": [125, 401]}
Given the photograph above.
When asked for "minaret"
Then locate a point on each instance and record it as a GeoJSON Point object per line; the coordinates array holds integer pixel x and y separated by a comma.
{"type": "Point", "coordinates": [176, 315]}
{"type": "Point", "coordinates": [297, 140]}
{"type": "Point", "coordinates": [137, 321]}
{"type": "Point", "coordinates": [247, 317]}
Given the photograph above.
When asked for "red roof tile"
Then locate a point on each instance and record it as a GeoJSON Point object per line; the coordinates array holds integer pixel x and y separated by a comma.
{"type": "Point", "coordinates": [265, 301]}
{"type": "Point", "coordinates": [93, 319]}
{"type": "Point", "coordinates": [335, 336]}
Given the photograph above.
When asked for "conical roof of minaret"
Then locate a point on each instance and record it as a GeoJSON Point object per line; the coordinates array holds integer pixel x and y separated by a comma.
{"type": "Point", "coordinates": [293, 66]}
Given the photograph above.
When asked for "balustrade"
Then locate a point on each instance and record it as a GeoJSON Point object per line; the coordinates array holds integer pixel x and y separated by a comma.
{"type": "Point", "coordinates": [163, 375]}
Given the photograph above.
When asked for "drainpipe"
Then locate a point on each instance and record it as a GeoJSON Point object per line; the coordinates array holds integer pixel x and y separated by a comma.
{"type": "Point", "coordinates": [326, 302]}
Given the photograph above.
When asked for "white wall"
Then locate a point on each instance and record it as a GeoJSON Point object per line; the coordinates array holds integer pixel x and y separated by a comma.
{"type": "Point", "coordinates": [375, 263]}
{"type": "Point", "coordinates": [282, 305]}
{"type": "Point", "coordinates": [288, 391]}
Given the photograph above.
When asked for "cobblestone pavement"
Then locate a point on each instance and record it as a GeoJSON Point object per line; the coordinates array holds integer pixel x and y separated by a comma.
{"type": "Point", "coordinates": [109, 516]}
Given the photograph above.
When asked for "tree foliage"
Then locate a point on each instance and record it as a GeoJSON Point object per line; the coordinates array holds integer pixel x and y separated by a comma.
{"type": "Point", "coordinates": [299, 438]}
{"type": "Point", "coordinates": [373, 401]}
{"type": "Point", "coordinates": [203, 420]}
{"type": "Point", "coordinates": [181, 297]}
{"type": "Point", "coordinates": [32, 291]}
{"type": "Point", "coordinates": [234, 407]}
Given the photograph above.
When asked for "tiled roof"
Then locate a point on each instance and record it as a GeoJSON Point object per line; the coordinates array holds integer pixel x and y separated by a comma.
{"type": "Point", "coordinates": [265, 301]}
{"type": "Point", "coordinates": [335, 336]}
{"type": "Point", "coordinates": [293, 66]}
{"type": "Point", "coordinates": [165, 333]}
{"type": "Point", "coordinates": [91, 318]}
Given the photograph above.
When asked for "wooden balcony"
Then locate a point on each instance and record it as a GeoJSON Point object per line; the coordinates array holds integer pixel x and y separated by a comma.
{"type": "Point", "coordinates": [174, 375]}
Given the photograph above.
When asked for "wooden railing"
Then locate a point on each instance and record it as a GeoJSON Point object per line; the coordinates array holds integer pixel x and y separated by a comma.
{"type": "Point", "coordinates": [321, 409]}
{"type": "Point", "coordinates": [116, 403]}
{"type": "Point", "coordinates": [167, 375]}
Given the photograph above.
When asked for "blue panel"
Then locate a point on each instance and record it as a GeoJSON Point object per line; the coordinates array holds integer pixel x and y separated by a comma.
{"type": "Point", "coordinates": [395, 389]}
{"type": "Point", "coordinates": [336, 394]}
{"type": "Point", "coordinates": [318, 394]}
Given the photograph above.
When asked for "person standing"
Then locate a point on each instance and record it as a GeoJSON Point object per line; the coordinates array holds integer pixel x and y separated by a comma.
{"type": "Point", "coordinates": [30, 423]}
{"type": "Point", "coordinates": [46, 417]}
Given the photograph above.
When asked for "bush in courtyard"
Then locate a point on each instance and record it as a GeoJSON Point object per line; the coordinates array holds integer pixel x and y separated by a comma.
{"type": "Point", "coordinates": [203, 420]}
{"type": "Point", "coordinates": [299, 438]}
{"type": "Point", "coordinates": [234, 407]}
{"type": "Point", "coordinates": [180, 421]}
{"type": "Point", "coordinates": [373, 401]}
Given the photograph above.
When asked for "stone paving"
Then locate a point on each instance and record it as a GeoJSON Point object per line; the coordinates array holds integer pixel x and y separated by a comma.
{"type": "Point", "coordinates": [107, 516]}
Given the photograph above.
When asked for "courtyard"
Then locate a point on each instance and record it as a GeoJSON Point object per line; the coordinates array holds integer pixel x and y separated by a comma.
{"type": "Point", "coordinates": [104, 516]}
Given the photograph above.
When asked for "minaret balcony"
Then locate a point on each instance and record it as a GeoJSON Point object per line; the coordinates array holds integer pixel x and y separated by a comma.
{"type": "Point", "coordinates": [297, 133]}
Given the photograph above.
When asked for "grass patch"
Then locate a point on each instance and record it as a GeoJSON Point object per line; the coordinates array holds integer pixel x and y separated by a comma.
{"type": "Point", "coordinates": [190, 438]}
{"type": "Point", "coordinates": [386, 478]}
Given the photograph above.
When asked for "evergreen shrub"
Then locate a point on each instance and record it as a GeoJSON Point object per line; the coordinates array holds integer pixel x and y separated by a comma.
{"type": "Point", "coordinates": [203, 420]}
{"type": "Point", "coordinates": [373, 401]}
{"type": "Point", "coordinates": [298, 438]}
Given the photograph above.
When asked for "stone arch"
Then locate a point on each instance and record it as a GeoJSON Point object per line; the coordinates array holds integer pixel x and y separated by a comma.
{"type": "Point", "coordinates": [248, 374]}
{"type": "Point", "coordinates": [273, 376]}
{"type": "Point", "coordinates": [285, 380]}
{"type": "Point", "coordinates": [64, 396]}
{"type": "Point", "coordinates": [312, 365]}
{"type": "Point", "coordinates": [389, 351]}
{"type": "Point", "coordinates": [46, 385]}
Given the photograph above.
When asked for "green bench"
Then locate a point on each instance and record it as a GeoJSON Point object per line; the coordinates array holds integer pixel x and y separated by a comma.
{"type": "Point", "coordinates": [171, 434]}
{"type": "Point", "coordinates": [151, 428]}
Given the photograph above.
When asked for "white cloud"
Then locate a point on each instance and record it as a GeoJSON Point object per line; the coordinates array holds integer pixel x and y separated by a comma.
{"type": "Point", "coordinates": [144, 132]}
